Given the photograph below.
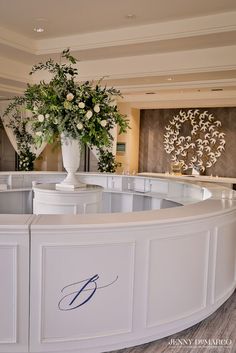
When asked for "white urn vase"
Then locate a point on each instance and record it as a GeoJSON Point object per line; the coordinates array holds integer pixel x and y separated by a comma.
{"type": "Point", "coordinates": [71, 149]}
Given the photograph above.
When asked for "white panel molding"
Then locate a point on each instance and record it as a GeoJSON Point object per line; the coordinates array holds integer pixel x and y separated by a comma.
{"type": "Point", "coordinates": [184, 315]}
{"type": "Point", "coordinates": [14, 253]}
{"type": "Point", "coordinates": [229, 221]}
{"type": "Point", "coordinates": [212, 266]}
{"type": "Point", "coordinates": [177, 247]}
{"type": "Point", "coordinates": [39, 246]}
{"type": "Point", "coordinates": [16, 238]}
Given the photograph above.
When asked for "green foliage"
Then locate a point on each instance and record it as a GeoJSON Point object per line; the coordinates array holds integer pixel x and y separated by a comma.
{"type": "Point", "coordinates": [1, 124]}
{"type": "Point", "coordinates": [20, 128]}
{"type": "Point", "coordinates": [107, 162]}
{"type": "Point", "coordinates": [24, 138]}
{"type": "Point", "coordinates": [26, 159]}
{"type": "Point", "coordinates": [84, 111]}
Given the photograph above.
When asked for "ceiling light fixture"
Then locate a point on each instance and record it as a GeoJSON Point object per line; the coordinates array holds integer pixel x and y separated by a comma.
{"type": "Point", "coordinates": [38, 29]}
{"type": "Point", "coordinates": [39, 24]}
{"type": "Point", "coordinates": [130, 16]}
{"type": "Point", "coordinates": [169, 78]}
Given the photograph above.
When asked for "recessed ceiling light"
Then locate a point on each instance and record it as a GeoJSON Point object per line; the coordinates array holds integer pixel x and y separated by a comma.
{"type": "Point", "coordinates": [169, 78]}
{"type": "Point", "coordinates": [130, 16]}
{"type": "Point", "coordinates": [39, 24]}
{"type": "Point", "coordinates": [38, 29]}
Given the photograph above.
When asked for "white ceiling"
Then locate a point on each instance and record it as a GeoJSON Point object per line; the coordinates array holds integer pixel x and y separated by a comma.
{"type": "Point", "coordinates": [108, 43]}
{"type": "Point", "coordinates": [65, 18]}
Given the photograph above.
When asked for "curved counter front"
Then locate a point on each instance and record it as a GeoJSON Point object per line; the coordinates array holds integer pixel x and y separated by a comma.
{"type": "Point", "coordinates": [100, 282]}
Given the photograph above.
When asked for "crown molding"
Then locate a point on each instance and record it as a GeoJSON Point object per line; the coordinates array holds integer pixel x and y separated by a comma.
{"type": "Point", "coordinates": [203, 84]}
{"type": "Point", "coordinates": [165, 64]}
{"type": "Point", "coordinates": [11, 89]}
{"type": "Point", "coordinates": [15, 71]}
{"type": "Point", "coordinates": [174, 63]}
{"type": "Point", "coordinates": [166, 72]}
{"type": "Point", "coordinates": [17, 41]}
{"type": "Point", "coordinates": [180, 95]}
{"type": "Point", "coordinates": [189, 27]}
{"type": "Point", "coordinates": [184, 103]}
{"type": "Point", "coordinates": [181, 100]}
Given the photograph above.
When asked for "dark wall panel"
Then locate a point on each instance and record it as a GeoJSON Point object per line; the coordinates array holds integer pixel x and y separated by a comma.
{"type": "Point", "coordinates": [152, 156]}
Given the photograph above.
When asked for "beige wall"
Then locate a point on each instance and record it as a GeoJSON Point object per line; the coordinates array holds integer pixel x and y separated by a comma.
{"type": "Point", "coordinates": [50, 159]}
{"type": "Point", "coordinates": [7, 152]}
{"type": "Point", "coordinates": [129, 158]}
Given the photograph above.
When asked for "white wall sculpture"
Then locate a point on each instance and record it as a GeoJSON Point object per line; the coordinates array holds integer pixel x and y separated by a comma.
{"type": "Point", "coordinates": [194, 139]}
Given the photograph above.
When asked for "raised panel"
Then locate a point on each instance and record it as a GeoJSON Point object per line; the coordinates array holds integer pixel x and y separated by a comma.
{"type": "Point", "coordinates": [14, 290]}
{"type": "Point", "coordinates": [177, 279]}
{"type": "Point", "coordinates": [225, 260]}
{"type": "Point", "coordinates": [14, 202]}
{"type": "Point", "coordinates": [121, 202]}
{"type": "Point", "coordinates": [114, 183]}
{"type": "Point", "coordinates": [8, 293]}
{"type": "Point", "coordinates": [85, 292]}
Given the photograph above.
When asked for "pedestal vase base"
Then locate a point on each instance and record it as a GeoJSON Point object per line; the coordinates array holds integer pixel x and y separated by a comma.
{"type": "Point", "coordinates": [71, 182]}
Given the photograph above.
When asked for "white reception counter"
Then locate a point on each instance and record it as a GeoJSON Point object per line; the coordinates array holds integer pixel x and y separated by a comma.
{"type": "Point", "coordinates": [99, 282]}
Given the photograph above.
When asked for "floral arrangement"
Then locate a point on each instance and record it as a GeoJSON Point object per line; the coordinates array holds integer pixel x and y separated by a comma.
{"type": "Point", "coordinates": [24, 143]}
{"type": "Point", "coordinates": [107, 162]}
{"type": "Point", "coordinates": [202, 147]}
{"type": "Point", "coordinates": [83, 111]}
{"type": "Point", "coordinates": [24, 139]}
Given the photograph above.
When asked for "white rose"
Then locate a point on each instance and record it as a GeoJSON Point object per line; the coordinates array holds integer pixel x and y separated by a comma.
{"type": "Point", "coordinates": [79, 126]}
{"type": "Point", "coordinates": [96, 108]}
{"type": "Point", "coordinates": [39, 133]}
{"type": "Point", "coordinates": [47, 116]}
{"type": "Point", "coordinates": [81, 105]}
{"type": "Point", "coordinates": [103, 123]}
{"type": "Point", "coordinates": [41, 118]}
{"type": "Point", "coordinates": [69, 97]}
{"type": "Point", "coordinates": [89, 114]}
